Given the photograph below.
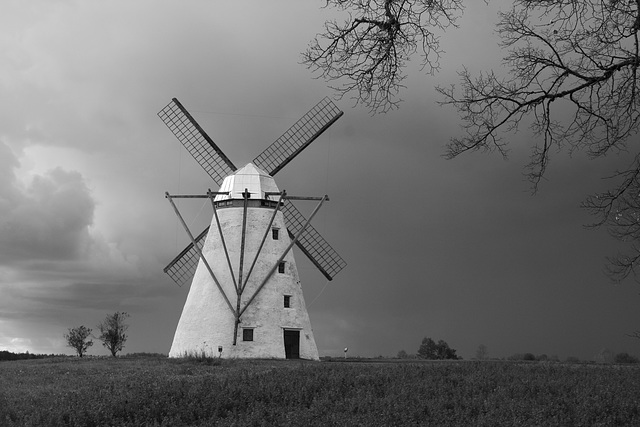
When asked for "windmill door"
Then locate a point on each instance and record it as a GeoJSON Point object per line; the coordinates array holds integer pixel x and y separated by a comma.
{"type": "Point", "coordinates": [292, 344]}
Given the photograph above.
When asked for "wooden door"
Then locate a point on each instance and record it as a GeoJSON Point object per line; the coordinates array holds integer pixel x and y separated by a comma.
{"type": "Point", "coordinates": [292, 344]}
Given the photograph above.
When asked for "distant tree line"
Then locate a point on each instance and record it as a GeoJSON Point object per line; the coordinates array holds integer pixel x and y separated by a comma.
{"type": "Point", "coordinates": [432, 350]}
{"type": "Point", "coordinates": [7, 355]}
{"type": "Point", "coordinates": [613, 358]}
{"type": "Point", "coordinates": [532, 357]}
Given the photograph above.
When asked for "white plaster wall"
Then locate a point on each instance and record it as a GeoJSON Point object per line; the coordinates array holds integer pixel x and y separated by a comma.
{"type": "Point", "coordinates": [206, 321]}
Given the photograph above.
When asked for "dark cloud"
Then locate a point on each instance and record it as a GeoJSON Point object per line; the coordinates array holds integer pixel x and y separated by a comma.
{"type": "Point", "coordinates": [47, 219]}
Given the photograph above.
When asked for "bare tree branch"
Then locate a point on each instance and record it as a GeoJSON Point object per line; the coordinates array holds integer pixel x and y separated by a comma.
{"type": "Point", "coordinates": [366, 54]}
{"type": "Point", "coordinates": [574, 76]}
{"type": "Point", "coordinates": [576, 55]}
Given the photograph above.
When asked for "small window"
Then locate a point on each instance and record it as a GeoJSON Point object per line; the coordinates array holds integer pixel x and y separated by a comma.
{"type": "Point", "coordinates": [247, 334]}
{"type": "Point", "coordinates": [287, 301]}
{"type": "Point", "coordinates": [281, 267]}
{"type": "Point", "coordinates": [275, 233]}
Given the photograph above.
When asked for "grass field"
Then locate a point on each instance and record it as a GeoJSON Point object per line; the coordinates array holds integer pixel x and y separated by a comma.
{"type": "Point", "coordinates": [156, 391]}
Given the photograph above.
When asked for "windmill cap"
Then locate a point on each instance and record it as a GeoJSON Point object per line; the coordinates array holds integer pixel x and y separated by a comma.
{"type": "Point", "coordinates": [251, 178]}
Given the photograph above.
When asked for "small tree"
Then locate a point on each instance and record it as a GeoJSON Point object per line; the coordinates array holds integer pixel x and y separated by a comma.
{"type": "Point", "coordinates": [402, 355]}
{"type": "Point", "coordinates": [112, 332]}
{"type": "Point", "coordinates": [482, 352]}
{"type": "Point", "coordinates": [431, 350]}
{"type": "Point", "coordinates": [427, 349]}
{"type": "Point", "coordinates": [77, 339]}
{"type": "Point", "coordinates": [446, 352]}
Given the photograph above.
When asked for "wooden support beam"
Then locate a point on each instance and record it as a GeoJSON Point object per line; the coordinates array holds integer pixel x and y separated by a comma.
{"type": "Point", "coordinates": [273, 269]}
{"type": "Point", "coordinates": [245, 196]}
{"type": "Point", "coordinates": [264, 238]}
{"type": "Point", "coordinates": [323, 198]}
{"type": "Point", "coordinates": [194, 196]}
{"type": "Point", "coordinates": [224, 244]}
{"type": "Point", "coordinates": [197, 248]}
{"type": "Point", "coordinates": [287, 197]}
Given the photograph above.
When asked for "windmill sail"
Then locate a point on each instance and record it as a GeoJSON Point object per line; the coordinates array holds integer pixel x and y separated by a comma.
{"type": "Point", "coordinates": [196, 141]}
{"type": "Point", "coordinates": [272, 159]}
{"type": "Point", "coordinates": [298, 137]}
{"type": "Point", "coordinates": [314, 246]}
{"type": "Point", "coordinates": [213, 161]}
{"type": "Point", "coordinates": [183, 266]}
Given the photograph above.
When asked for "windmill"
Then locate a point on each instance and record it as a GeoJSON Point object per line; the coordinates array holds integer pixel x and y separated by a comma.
{"type": "Point", "coordinates": [245, 298]}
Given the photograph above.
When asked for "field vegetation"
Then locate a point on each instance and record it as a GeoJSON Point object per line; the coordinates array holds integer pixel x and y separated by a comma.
{"type": "Point", "coordinates": [156, 391]}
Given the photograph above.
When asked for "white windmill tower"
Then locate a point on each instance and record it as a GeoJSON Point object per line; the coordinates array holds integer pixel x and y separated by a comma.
{"type": "Point", "coordinates": [245, 298]}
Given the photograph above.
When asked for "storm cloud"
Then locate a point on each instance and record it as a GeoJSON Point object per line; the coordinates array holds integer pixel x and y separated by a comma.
{"type": "Point", "coordinates": [46, 219]}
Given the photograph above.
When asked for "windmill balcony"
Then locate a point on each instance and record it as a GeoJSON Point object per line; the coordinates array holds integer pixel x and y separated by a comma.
{"type": "Point", "coordinates": [251, 203]}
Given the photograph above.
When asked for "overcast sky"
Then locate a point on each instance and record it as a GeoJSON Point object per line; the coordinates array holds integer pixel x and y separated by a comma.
{"type": "Point", "coordinates": [456, 250]}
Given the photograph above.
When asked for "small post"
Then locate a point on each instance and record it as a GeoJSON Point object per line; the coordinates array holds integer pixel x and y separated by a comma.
{"type": "Point", "coordinates": [219, 351]}
{"type": "Point", "coordinates": [345, 352]}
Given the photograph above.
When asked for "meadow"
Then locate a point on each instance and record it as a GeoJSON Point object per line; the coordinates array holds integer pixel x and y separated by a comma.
{"type": "Point", "coordinates": [156, 391]}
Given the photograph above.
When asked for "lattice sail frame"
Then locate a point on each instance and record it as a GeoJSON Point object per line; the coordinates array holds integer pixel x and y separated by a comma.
{"type": "Point", "coordinates": [298, 137]}
{"type": "Point", "coordinates": [211, 158]}
{"type": "Point", "coordinates": [314, 246]}
{"type": "Point", "coordinates": [182, 268]}
{"type": "Point", "coordinates": [196, 141]}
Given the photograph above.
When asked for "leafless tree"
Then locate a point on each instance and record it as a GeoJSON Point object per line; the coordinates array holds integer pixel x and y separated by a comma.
{"type": "Point", "coordinates": [366, 54]}
{"type": "Point", "coordinates": [482, 352]}
{"type": "Point", "coordinates": [112, 332]}
{"type": "Point", "coordinates": [573, 76]}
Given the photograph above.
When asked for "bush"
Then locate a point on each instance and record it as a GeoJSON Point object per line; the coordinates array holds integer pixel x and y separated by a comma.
{"type": "Point", "coordinates": [526, 356]}
{"type": "Point", "coordinates": [431, 350]}
{"type": "Point", "coordinates": [625, 358]}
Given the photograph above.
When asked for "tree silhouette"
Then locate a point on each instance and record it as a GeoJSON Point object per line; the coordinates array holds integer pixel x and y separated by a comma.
{"type": "Point", "coordinates": [366, 54]}
{"type": "Point", "coordinates": [112, 332]}
{"type": "Point", "coordinates": [431, 350]}
{"type": "Point", "coordinates": [574, 75]}
{"type": "Point", "coordinates": [573, 78]}
{"type": "Point", "coordinates": [482, 352]}
{"type": "Point", "coordinates": [77, 339]}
